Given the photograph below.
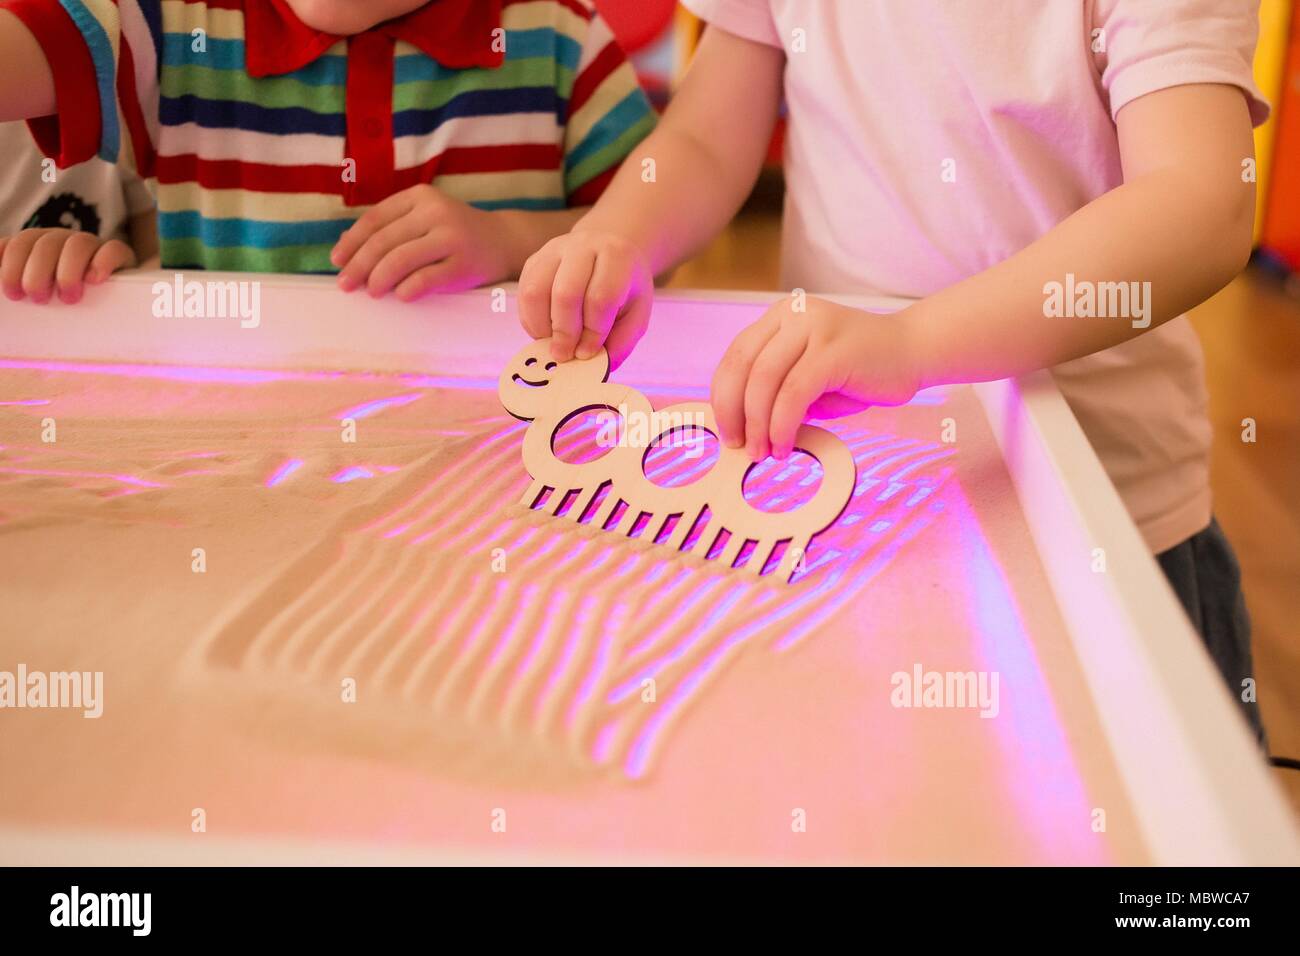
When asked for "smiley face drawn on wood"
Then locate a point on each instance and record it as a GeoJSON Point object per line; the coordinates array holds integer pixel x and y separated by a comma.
{"type": "Point", "coordinates": [533, 387]}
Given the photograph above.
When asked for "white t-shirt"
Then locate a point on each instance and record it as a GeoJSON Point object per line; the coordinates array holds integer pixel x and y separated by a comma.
{"type": "Point", "coordinates": [929, 140]}
{"type": "Point", "coordinates": [94, 196]}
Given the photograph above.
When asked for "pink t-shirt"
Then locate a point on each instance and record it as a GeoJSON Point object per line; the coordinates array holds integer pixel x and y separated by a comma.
{"type": "Point", "coordinates": [931, 139]}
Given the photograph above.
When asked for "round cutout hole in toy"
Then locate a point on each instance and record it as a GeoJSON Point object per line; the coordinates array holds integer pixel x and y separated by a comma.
{"type": "Point", "coordinates": [774, 487]}
{"type": "Point", "coordinates": [680, 456]}
{"type": "Point", "coordinates": [588, 434]}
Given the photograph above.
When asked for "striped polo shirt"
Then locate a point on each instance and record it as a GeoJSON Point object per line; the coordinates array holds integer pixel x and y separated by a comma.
{"type": "Point", "coordinates": [268, 138]}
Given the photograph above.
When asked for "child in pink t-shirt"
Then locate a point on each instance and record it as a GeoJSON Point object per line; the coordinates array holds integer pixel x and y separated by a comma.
{"type": "Point", "coordinates": [1054, 183]}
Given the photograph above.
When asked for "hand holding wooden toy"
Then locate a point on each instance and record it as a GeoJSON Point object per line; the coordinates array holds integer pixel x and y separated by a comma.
{"type": "Point", "coordinates": [534, 387]}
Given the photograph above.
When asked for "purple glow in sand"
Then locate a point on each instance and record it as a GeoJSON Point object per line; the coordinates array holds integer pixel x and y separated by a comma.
{"type": "Point", "coordinates": [48, 473]}
{"type": "Point", "coordinates": [283, 472]}
{"type": "Point", "coordinates": [351, 474]}
{"type": "Point", "coordinates": [366, 409]}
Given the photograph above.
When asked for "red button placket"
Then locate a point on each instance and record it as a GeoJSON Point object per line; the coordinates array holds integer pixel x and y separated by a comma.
{"type": "Point", "coordinates": [369, 103]}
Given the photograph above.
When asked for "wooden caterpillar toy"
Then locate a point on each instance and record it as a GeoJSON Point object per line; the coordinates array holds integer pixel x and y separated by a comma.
{"type": "Point", "coordinates": [533, 387]}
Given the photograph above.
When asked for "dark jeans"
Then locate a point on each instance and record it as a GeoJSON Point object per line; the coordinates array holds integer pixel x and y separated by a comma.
{"type": "Point", "coordinates": [1207, 579]}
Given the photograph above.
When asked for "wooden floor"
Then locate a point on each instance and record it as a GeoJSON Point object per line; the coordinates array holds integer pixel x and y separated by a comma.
{"type": "Point", "coordinates": [1251, 333]}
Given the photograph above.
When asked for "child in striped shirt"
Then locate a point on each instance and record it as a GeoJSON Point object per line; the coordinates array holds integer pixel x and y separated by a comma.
{"type": "Point", "coordinates": [409, 146]}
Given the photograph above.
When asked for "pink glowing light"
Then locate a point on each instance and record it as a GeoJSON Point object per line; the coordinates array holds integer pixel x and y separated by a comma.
{"type": "Point", "coordinates": [639, 756]}
{"type": "Point", "coordinates": [219, 374]}
{"type": "Point", "coordinates": [676, 653]}
{"type": "Point", "coordinates": [604, 740]}
{"type": "Point", "coordinates": [585, 610]}
{"type": "Point", "coordinates": [103, 476]}
{"type": "Point", "coordinates": [497, 447]}
{"type": "Point", "coordinates": [179, 373]}
{"type": "Point", "coordinates": [539, 640]}
{"type": "Point", "coordinates": [447, 381]}
{"type": "Point", "coordinates": [366, 409]}
{"type": "Point", "coordinates": [603, 651]}
{"type": "Point", "coordinates": [527, 596]}
{"type": "Point", "coordinates": [351, 473]}
{"type": "Point", "coordinates": [653, 637]}
{"type": "Point", "coordinates": [1030, 732]}
{"type": "Point", "coordinates": [283, 472]}
{"type": "Point", "coordinates": [922, 462]}
{"type": "Point", "coordinates": [909, 448]}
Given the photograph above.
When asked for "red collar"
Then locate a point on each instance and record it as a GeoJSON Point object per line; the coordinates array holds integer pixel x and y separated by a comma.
{"type": "Point", "coordinates": [458, 34]}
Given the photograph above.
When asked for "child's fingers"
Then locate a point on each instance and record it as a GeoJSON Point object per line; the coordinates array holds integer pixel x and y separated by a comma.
{"type": "Point", "coordinates": [370, 222]}
{"type": "Point", "coordinates": [766, 376]}
{"type": "Point", "coordinates": [378, 245]}
{"type": "Point", "coordinates": [567, 295]}
{"type": "Point", "coordinates": [536, 280]}
{"type": "Point", "coordinates": [70, 270]}
{"type": "Point", "coordinates": [38, 273]}
{"type": "Point", "coordinates": [110, 257]}
{"type": "Point", "coordinates": [14, 260]}
{"type": "Point", "coordinates": [401, 261]}
{"type": "Point", "coordinates": [804, 384]}
{"type": "Point", "coordinates": [444, 276]}
{"type": "Point", "coordinates": [607, 290]}
{"type": "Point", "coordinates": [628, 329]}
{"type": "Point", "coordinates": [727, 393]}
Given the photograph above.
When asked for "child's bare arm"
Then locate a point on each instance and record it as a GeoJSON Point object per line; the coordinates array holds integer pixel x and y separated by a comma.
{"type": "Point", "coordinates": [706, 153]}
{"type": "Point", "coordinates": [672, 194]}
{"type": "Point", "coordinates": [26, 83]}
{"type": "Point", "coordinates": [1181, 221]}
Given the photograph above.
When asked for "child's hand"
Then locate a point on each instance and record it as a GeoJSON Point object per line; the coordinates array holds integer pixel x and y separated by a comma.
{"type": "Point", "coordinates": [37, 262]}
{"type": "Point", "coordinates": [421, 240]}
{"type": "Point", "coordinates": [585, 290]}
{"type": "Point", "coordinates": [824, 362]}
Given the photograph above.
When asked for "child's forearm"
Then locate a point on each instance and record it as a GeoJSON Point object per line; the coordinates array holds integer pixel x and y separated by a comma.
{"type": "Point", "coordinates": [670, 219]}
{"type": "Point", "coordinates": [1143, 243]}
{"type": "Point", "coordinates": [1175, 233]}
{"type": "Point", "coordinates": [680, 186]}
{"type": "Point", "coordinates": [27, 87]}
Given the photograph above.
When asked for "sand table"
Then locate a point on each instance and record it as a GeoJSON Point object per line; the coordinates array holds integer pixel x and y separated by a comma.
{"type": "Point", "coordinates": [377, 642]}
